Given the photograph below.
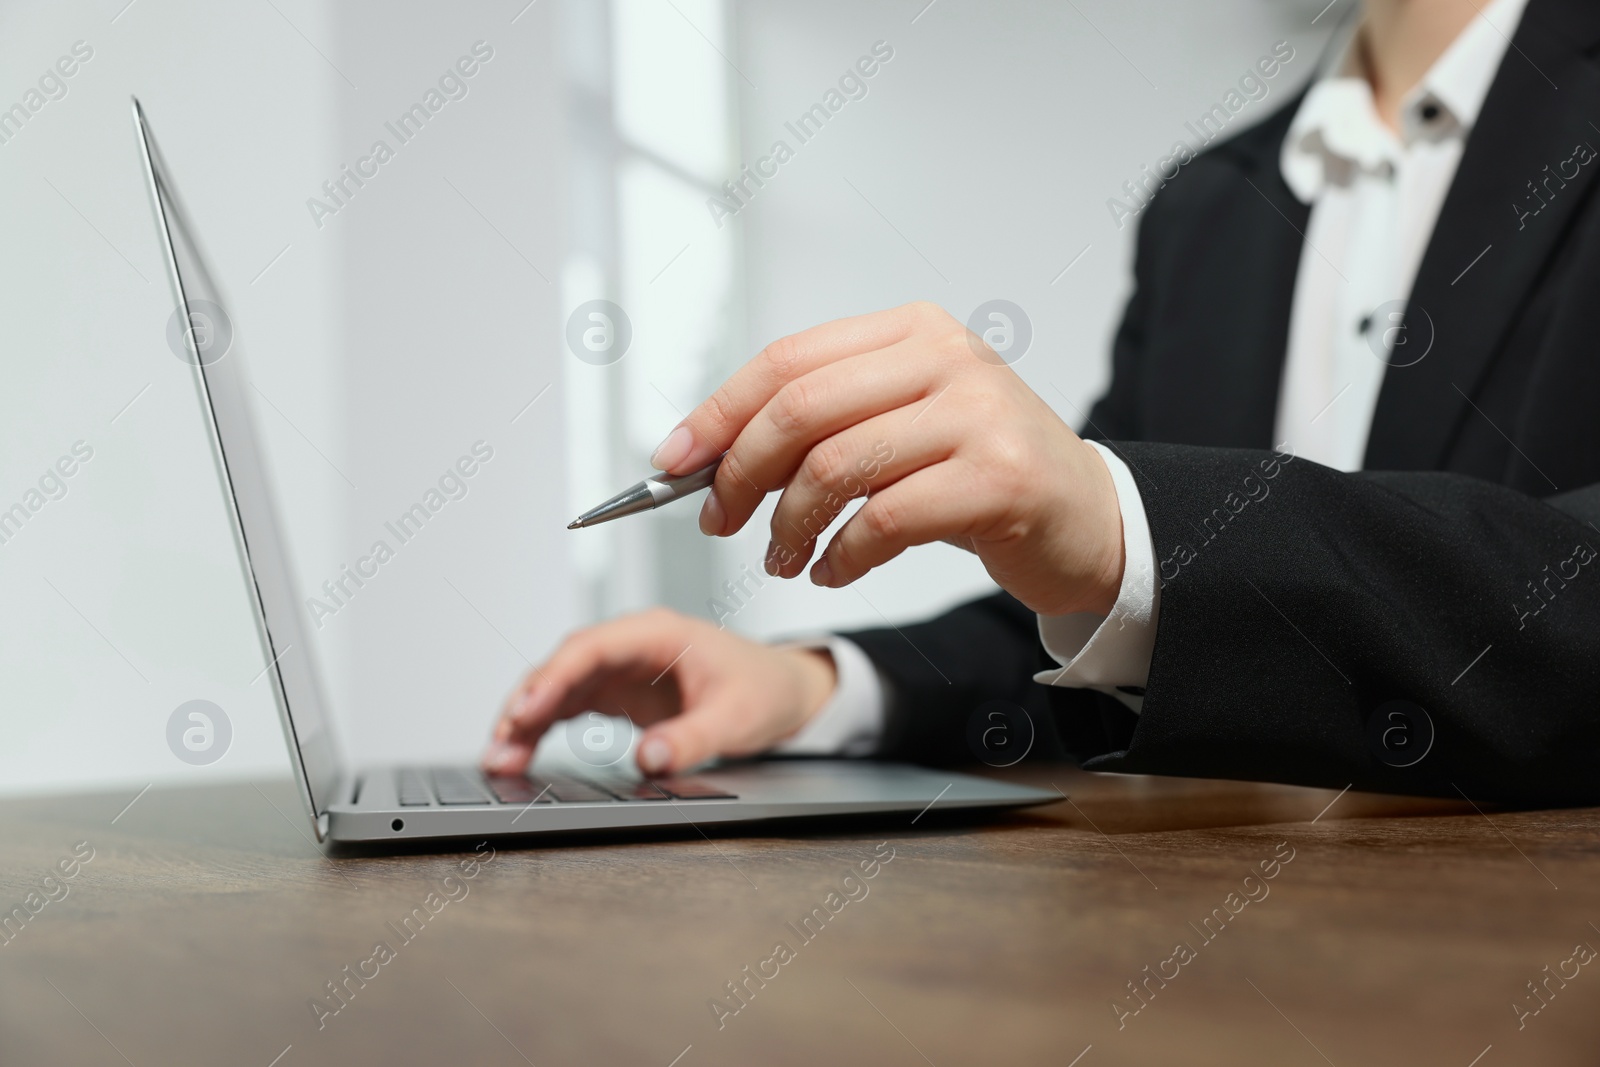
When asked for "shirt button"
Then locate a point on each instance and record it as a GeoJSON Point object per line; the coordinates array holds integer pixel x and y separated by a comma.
{"type": "Point", "coordinates": [1430, 112]}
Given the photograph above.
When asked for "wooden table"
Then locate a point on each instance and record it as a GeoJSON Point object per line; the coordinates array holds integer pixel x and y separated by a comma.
{"type": "Point", "coordinates": [1400, 932]}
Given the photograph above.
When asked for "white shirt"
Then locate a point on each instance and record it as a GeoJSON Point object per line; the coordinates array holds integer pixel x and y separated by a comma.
{"type": "Point", "coordinates": [1374, 197]}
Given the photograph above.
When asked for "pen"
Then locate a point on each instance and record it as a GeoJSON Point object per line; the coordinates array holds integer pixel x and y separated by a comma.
{"type": "Point", "coordinates": [651, 493]}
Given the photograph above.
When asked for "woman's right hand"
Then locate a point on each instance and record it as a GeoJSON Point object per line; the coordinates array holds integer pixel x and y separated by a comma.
{"type": "Point", "coordinates": [698, 691]}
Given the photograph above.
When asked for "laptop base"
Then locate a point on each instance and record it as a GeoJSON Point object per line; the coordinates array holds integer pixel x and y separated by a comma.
{"type": "Point", "coordinates": [750, 792]}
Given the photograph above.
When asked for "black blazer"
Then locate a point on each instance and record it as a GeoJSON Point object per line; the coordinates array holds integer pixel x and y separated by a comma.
{"type": "Point", "coordinates": [1458, 572]}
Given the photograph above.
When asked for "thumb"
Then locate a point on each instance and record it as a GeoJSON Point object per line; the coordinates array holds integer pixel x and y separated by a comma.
{"type": "Point", "coordinates": [699, 733]}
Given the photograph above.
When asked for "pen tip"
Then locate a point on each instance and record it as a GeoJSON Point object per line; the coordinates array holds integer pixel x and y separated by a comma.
{"type": "Point", "coordinates": [575, 524]}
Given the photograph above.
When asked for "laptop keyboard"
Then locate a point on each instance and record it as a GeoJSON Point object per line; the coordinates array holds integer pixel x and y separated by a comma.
{"type": "Point", "coordinates": [449, 787]}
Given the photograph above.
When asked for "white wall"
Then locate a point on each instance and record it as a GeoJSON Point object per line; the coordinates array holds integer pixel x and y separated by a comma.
{"type": "Point", "coordinates": [388, 341]}
{"type": "Point", "coordinates": [414, 321]}
{"type": "Point", "coordinates": [448, 331]}
{"type": "Point", "coordinates": [148, 610]}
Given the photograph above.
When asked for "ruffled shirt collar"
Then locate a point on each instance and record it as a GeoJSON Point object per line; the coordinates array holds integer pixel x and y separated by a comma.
{"type": "Point", "coordinates": [1336, 134]}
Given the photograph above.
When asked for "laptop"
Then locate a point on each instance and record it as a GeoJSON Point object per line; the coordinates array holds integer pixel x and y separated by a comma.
{"type": "Point", "coordinates": [406, 804]}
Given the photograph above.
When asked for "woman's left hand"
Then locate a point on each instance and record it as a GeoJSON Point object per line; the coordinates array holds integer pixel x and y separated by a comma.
{"type": "Point", "coordinates": [911, 410]}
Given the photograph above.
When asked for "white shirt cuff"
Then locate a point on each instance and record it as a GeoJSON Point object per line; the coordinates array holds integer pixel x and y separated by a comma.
{"type": "Point", "coordinates": [1108, 652]}
{"type": "Point", "coordinates": [851, 723]}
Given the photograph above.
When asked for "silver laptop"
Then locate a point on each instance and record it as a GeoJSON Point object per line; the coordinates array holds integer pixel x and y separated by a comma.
{"type": "Point", "coordinates": [411, 803]}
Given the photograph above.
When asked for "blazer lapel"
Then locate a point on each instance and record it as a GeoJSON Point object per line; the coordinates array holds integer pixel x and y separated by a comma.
{"type": "Point", "coordinates": [1278, 243]}
{"type": "Point", "coordinates": [1493, 236]}
{"type": "Point", "coordinates": [1236, 297]}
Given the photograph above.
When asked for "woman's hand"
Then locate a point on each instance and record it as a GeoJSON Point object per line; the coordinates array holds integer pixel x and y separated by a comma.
{"type": "Point", "coordinates": [911, 410]}
{"type": "Point", "coordinates": [700, 691]}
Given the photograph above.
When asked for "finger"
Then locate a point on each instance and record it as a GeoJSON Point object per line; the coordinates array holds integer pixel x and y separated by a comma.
{"type": "Point", "coordinates": [633, 646]}
{"type": "Point", "coordinates": [712, 427]}
{"type": "Point", "coordinates": [718, 725]}
{"type": "Point", "coordinates": [815, 406]}
{"type": "Point", "coordinates": [642, 694]}
{"type": "Point", "coordinates": [507, 758]}
{"type": "Point", "coordinates": [642, 701]}
{"type": "Point", "coordinates": [865, 459]}
{"type": "Point", "coordinates": [508, 751]}
{"type": "Point", "coordinates": [639, 692]}
{"type": "Point", "coordinates": [591, 667]}
{"type": "Point", "coordinates": [932, 504]}
{"type": "Point", "coordinates": [534, 678]}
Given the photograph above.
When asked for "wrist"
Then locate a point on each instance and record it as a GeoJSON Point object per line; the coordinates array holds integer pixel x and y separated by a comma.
{"type": "Point", "coordinates": [1105, 520]}
{"type": "Point", "coordinates": [1083, 555]}
{"type": "Point", "coordinates": [816, 681]}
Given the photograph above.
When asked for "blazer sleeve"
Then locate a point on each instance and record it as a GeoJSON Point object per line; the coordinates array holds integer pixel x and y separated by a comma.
{"type": "Point", "coordinates": [946, 674]}
{"type": "Point", "coordinates": [1115, 416]}
{"type": "Point", "coordinates": [1303, 609]}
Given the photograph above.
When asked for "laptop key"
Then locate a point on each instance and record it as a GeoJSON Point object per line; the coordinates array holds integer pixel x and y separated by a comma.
{"type": "Point", "coordinates": [518, 791]}
{"type": "Point", "coordinates": [412, 791]}
{"type": "Point", "coordinates": [642, 791]}
{"type": "Point", "coordinates": [459, 788]}
{"type": "Point", "coordinates": [694, 789]}
{"type": "Point", "coordinates": [576, 791]}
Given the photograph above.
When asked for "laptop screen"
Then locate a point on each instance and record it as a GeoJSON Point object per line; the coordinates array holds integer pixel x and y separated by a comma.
{"type": "Point", "coordinates": [211, 345]}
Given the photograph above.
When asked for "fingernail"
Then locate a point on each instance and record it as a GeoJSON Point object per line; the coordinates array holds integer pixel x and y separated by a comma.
{"type": "Point", "coordinates": [821, 573]}
{"type": "Point", "coordinates": [712, 517]}
{"type": "Point", "coordinates": [655, 755]}
{"type": "Point", "coordinates": [770, 564]}
{"type": "Point", "coordinates": [674, 450]}
{"type": "Point", "coordinates": [497, 756]}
